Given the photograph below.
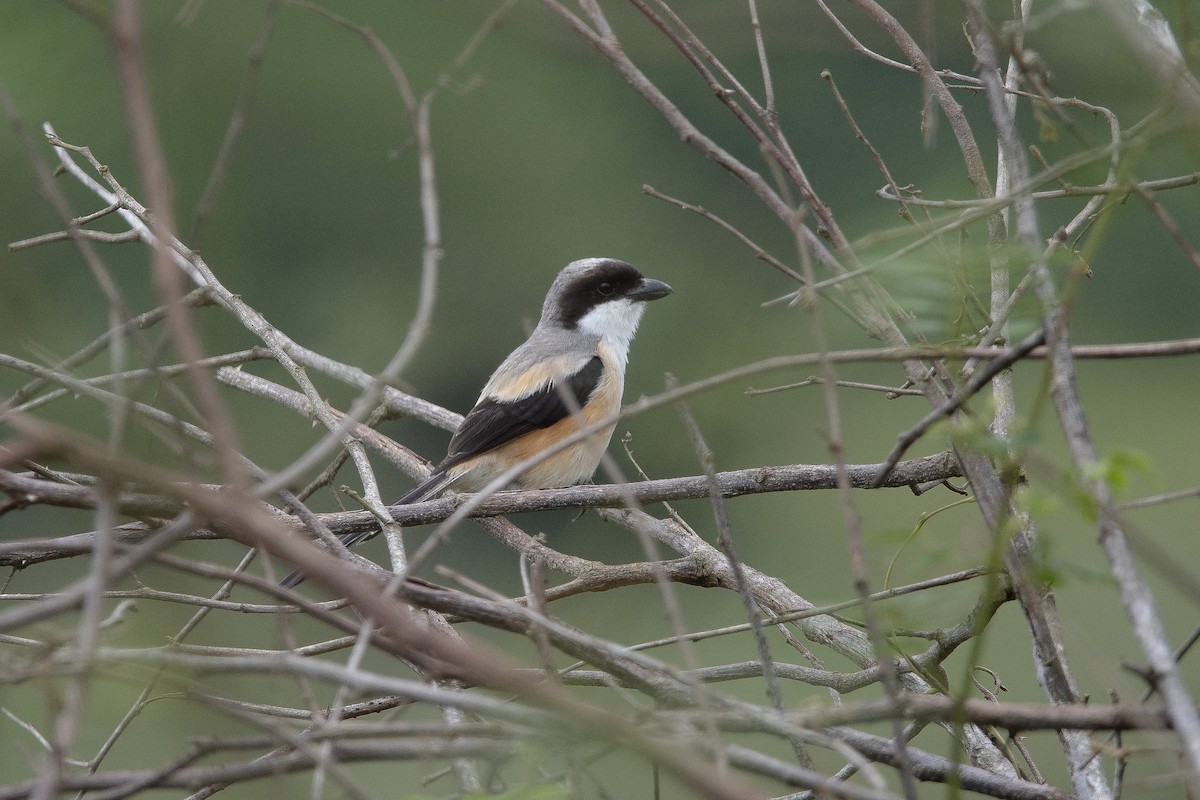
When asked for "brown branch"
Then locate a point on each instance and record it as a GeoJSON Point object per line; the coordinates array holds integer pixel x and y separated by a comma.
{"type": "Point", "coordinates": [126, 36]}
{"type": "Point", "coordinates": [1136, 597]}
{"type": "Point", "coordinates": [181, 776]}
{"type": "Point", "coordinates": [740, 585]}
{"type": "Point", "coordinates": [1119, 189]}
{"type": "Point", "coordinates": [195, 298]}
{"type": "Point", "coordinates": [237, 124]}
{"type": "Point", "coordinates": [1016, 716]}
{"type": "Point", "coordinates": [612, 52]}
{"type": "Point", "coordinates": [1012, 717]}
{"type": "Point", "coordinates": [28, 490]}
{"type": "Point", "coordinates": [759, 252]}
{"type": "Point", "coordinates": [961, 395]}
{"type": "Point", "coordinates": [399, 632]}
{"type": "Point", "coordinates": [959, 125]}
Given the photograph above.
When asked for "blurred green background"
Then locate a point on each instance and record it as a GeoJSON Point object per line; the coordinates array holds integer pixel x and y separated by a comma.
{"type": "Point", "coordinates": [541, 155]}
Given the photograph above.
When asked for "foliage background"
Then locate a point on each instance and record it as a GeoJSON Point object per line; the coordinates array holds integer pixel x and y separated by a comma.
{"type": "Point", "coordinates": [541, 156]}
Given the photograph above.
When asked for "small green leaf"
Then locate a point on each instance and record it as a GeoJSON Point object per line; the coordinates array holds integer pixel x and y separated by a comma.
{"type": "Point", "coordinates": [1117, 467]}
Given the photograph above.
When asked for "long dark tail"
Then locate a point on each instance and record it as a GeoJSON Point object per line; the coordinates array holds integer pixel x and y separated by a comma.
{"type": "Point", "coordinates": [424, 490]}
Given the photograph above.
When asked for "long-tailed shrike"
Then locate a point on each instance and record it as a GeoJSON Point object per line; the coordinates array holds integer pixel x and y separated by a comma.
{"type": "Point", "coordinates": [568, 375]}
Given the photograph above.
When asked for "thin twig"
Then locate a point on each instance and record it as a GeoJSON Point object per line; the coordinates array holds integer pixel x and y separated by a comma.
{"type": "Point", "coordinates": [978, 381]}
{"type": "Point", "coordinates": [237, 125]}
{"type": "Point", "coordinates": [741, 586]}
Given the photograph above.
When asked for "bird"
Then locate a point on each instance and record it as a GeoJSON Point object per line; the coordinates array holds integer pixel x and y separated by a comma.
{"type": "Point", "coordinates": [568, 375]}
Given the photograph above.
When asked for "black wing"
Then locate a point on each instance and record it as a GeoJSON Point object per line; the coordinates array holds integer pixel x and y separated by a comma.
{"type": "Point", "coordinates": [492, 423]}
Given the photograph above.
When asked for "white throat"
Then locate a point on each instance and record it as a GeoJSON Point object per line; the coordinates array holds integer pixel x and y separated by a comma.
{"type": "Point", "coordinates": [615, 322]}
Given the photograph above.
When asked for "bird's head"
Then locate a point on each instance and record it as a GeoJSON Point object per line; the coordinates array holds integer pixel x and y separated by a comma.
{"type": "Point", "coordinates": [601, 297]}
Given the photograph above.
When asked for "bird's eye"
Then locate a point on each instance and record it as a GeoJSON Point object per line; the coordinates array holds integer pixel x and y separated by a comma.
{"type": "Point", "coordinates": [605, 288]}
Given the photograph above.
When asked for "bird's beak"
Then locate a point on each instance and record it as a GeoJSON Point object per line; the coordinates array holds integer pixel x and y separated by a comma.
{"type": "Point", "coordinates": [649, 289]}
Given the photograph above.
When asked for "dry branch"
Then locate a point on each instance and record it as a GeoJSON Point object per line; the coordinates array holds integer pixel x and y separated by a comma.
{"type": "Point", "coordinates": [683, 719]}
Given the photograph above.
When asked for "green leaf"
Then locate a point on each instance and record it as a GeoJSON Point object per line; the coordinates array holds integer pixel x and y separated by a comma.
{"type": "Point", "coordinates": [1117, 467]}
